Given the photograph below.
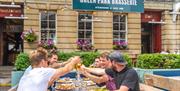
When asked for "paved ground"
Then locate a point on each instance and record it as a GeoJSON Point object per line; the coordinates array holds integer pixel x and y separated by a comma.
{"type": "Point", "coordinates": [4, 88]}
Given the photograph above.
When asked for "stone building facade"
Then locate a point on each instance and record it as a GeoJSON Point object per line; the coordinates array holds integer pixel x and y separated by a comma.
{"type": "Point", "coordinates": [148, 32]}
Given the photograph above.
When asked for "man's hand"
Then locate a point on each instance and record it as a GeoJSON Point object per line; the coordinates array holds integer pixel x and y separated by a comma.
{"type": "Point", "coordinates": [76, 59]}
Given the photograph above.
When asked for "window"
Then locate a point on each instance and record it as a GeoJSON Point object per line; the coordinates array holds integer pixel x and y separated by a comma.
{"type": "Point", "coordinates": [85, 28]}
{"type": "Point", "coordinates": [119, 29]}
{"type": "Point", "coordinates": [48, 26]}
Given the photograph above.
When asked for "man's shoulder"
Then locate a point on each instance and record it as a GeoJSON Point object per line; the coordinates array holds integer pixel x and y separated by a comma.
{"type": "Point", "coordinates": [132, 71]}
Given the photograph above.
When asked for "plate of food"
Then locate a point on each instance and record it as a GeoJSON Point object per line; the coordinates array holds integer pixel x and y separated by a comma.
{"type": "Point", "coordinates": [65, 87]}
{"type": "Point", "coordinates": [64, 80]}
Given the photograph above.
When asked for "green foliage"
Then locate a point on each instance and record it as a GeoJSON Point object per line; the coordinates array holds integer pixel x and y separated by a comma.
{"type": "Point", "coordinates": [128, 59]}
{"type": "Point", "coordinates": [87, 57]}
{"type": "Point", "coordinates": [22, 61]}
{"type": "Point", "coordinates": [158, 61]}
{"type": "Point", "coordinates": [29, 36]}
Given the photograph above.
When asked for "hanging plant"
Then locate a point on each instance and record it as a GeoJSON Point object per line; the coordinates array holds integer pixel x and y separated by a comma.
{"type": "Point", "coordinates": [29, 36]}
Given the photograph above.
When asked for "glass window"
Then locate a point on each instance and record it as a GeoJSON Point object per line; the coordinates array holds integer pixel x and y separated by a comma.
{"type": "Point", "coordinates": [119, 28]}
{"type": "Point", "coordinates": [85, 27]}
{"type": "Point", "coordinates": [48, 26]}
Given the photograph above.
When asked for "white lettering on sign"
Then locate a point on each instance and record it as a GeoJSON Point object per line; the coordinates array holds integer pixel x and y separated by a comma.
{"type": "Point", "coordinates": [117, 2]}
{"type": "Point", "coordinates": [87, 1]}
{"type": "Point", "coordinates": [125, 2]}
{"type": "Point", "coordinates": [103, 2]}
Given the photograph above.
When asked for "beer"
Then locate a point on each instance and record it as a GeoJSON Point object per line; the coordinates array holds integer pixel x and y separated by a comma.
{"type": "Point", "coordinates": [77, 66]}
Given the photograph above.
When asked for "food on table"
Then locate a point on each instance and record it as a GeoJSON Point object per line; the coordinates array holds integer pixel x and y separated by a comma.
{"type": "Point", "coordinates": [65, 86]}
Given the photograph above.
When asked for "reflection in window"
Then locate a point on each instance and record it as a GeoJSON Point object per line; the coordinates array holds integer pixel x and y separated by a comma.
{"type": "Point", "coordinates": [119, 29]}
{"type": "Point", "coordinates": [48, 26]}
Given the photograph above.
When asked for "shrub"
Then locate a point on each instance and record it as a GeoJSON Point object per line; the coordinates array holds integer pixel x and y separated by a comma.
{"type": "Point", "coordinates": [87, 57]}
{"type": "Point", "coordinates": [158, 61]}
{"type": "Point", "coordinates": [128, 59]}
{"type": "Point", "coordinates": [22, 61]}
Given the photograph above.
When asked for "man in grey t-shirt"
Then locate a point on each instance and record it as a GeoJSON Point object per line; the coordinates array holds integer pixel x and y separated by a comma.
{"type": "Point", "coordinates": [119, 77]}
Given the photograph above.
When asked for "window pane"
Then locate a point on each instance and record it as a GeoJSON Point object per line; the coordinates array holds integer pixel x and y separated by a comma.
{"type": "Point", "coordinates": [81, 25]}
{"type": "Point", "coordinates": [88, 25]}
{"type": "Point", "coordinates": [81, 16]}
{"type": "Point", "coordinates": [52, 16]}
{"type": "Point", "coordinates": [88, 34]}
{"type": "Point", "coordinates": [122, 26]}
{"type": "Point", "coordinates": [52, 35]}
{"type": "Point", "coordinates": [122, 18]}
{"type": "Point", "coordinates": [115, 18]}
{"type": "Point", "coordinates": [44, 34]}
{"type": "Point", "coordinates": [44, 24]}
{"type": "Point", "coordinates": [44, 16]}
{"type": "Point", "coordinates": [80, 34]}
{"type": "Point", "coordinates": [122, 35]}
{"type": "Point", "coordinates": [115, 26]}
{"type": "Point", "coordinates": [52, 24]}
{"type": "Point", "coordinates": [115, 34]}
{"type": "Point", "coordinates": [88, 16]}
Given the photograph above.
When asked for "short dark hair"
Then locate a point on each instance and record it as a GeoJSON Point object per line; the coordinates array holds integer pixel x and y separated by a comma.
{"type": "Point", "coordinates": [52, 52]}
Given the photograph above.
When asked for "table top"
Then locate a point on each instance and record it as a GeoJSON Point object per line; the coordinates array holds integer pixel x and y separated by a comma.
{"type": "Point", "coordinates": [69, 84]}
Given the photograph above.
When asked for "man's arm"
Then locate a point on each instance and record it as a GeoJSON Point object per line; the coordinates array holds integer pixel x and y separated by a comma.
{"type": "Point", "coordinates": [97, 71]}
{"type": "Point", "coordinates": [96, 79]}
{"type": "Point", "coordinates": [123, 88]}
{"type": "Point", "coordinates": [58, 65]}
{"type": "Point", "coordinates": [64, 70]}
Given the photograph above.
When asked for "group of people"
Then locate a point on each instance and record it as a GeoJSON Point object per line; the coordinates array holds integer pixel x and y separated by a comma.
{"type": "Point", "coordinates": [113, 72]}
{"type": "Point", "coordinates": [110, 70]}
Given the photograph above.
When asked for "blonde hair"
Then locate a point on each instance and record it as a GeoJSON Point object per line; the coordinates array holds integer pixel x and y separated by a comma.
{"type": "Point", "coordinates": [38, 55]}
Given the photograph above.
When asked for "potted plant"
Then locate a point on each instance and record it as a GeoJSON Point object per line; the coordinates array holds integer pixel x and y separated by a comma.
{"type": "Point", "coordinates": [120, 45]}
{"type": "Point", "coordinates": [84, 45]}
{"type": "Point", "coordinates": [29, 36]}
{"type": "Point", "coordinates": [21, 63]}
{"type": "Point", "coordinates": [49, 44]}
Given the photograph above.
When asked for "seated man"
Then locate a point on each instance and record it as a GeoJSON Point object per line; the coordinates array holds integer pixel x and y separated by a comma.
{"type": "Point", "coordinates": [41, 76]}
{"type": "Point", "coordinates": [118, 77]}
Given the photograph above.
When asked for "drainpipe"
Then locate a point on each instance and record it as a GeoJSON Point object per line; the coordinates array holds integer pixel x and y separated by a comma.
{"type": "Point", "coordinates": [176, 8]}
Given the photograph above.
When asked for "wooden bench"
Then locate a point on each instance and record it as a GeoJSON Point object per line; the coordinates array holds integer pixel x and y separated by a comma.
{"type": "Point", "coordinates": [144, 87]}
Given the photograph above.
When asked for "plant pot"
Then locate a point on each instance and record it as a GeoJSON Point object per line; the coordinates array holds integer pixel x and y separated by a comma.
{"type": "Point", "coordinates": [15, 77]}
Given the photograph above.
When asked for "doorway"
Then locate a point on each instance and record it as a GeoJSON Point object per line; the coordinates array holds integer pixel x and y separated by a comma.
{"type": "Point", "coordinates": [12, 44]}
{"type": "Point", "coordinates": [151, 38]}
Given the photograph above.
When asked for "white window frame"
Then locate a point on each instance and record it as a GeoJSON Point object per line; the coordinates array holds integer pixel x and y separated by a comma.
{"type": "Point", "coordinates": [92, 28]}
{"type": "Point", "coordinates": [55, 38]}
{"type": "Point", "coordinates": [126, 27]}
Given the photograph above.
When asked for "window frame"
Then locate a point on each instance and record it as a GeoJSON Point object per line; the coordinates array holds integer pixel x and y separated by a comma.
{"type": "Point", "coordinates": [92, 28]}
{"type": "Point", "coordinates": [48, 29]}
{"type": "Point", "coordinates": [126, 27]}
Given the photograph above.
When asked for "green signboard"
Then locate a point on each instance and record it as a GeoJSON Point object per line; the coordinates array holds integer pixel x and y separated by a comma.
{"type": "Point", "coordinates": [110, 5]}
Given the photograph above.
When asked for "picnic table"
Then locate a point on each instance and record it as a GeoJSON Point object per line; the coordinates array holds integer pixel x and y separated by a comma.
{"type": "Point", "coordinates": [70, 82]}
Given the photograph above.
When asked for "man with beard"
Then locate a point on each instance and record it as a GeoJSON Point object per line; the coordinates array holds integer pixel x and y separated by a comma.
{"type": "Point", "coordinates": [119, 77]}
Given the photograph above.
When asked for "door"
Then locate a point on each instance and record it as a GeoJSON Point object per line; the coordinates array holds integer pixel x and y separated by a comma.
{"type": "Point", "coordinates": [12, 42]}
{"type": "Point", "coordinates": [151, 38]}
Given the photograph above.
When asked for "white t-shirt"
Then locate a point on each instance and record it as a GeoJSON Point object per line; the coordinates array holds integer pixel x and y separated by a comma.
{"type": "Point", "coordinates": [36, 80]}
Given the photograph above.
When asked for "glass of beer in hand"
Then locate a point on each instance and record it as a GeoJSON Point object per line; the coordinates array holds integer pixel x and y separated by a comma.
{"type": "Point", "coordinates": [77, 66]}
